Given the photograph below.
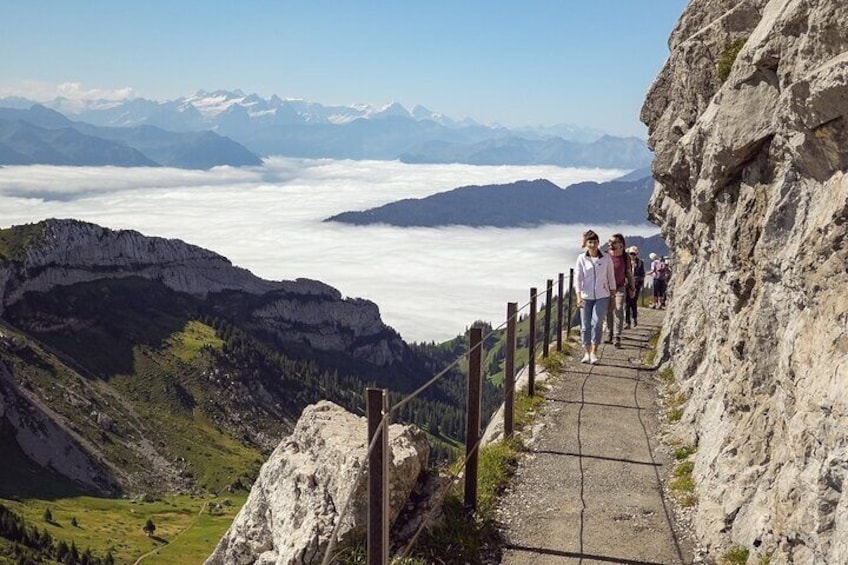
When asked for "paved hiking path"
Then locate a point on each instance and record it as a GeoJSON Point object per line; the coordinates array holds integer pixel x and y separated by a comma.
{"type": "Point", "coordinates": [590, 490]}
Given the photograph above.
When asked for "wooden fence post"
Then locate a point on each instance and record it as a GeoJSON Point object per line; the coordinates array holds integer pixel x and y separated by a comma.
{"type": "Point", "coordinates": [472, 419]}
{"type": "Point", "coordinates": [377, 405]}
{"type": "Point", "coordinates": [549, 295]}
{"type": "Point", "coordinates": [559, 312]}
{"type": "Point", "coordinates": [531, 345]}
{"type": "Point", "coordinates": [509, 368]}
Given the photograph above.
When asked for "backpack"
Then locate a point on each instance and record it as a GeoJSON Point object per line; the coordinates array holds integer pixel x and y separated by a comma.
{"type": "Point", "coordinates": [662, 270]}
{"type": "Point", "coordinates": [639, 269]}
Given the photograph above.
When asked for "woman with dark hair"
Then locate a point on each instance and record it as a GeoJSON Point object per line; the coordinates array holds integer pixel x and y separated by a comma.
{"type": "Point", "coordinates": [637, 267]}
{"type": "Point", "coordinates": [594, 281]}
{"type": "Point", "coordinates": [623, 288]}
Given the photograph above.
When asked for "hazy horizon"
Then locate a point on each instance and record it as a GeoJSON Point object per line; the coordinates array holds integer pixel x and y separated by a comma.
{"type": "Point", "coordinates": [518, 64]}
{"type": "Point", "coordinates": [429, 283]}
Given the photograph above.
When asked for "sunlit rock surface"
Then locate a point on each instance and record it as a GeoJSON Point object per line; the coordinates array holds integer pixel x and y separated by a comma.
{"type": "Point", "coordinates": [753, 201]}
{"type": "Point", "coordinates": [295, 503]}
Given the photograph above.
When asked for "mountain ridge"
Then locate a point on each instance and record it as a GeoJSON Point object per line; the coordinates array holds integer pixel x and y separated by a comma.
{"type": "Point", "coordinates": [152, 365]}
{"type": "Point", "coordinates": [90, 305]}
{"type": "Point", "coordinates": [299, 128]}
{"type": "Point", "coordinates": [517, 204]}
{"type": "Point", "coordinates": [39, 135]}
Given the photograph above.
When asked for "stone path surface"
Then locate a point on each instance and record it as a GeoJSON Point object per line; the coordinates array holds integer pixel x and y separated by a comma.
{"type": "Point", "coordinates": [590, 489]}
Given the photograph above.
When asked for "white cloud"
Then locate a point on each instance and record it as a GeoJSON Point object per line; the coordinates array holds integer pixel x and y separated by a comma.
{"type": "Point", "coordinates": [74, 91]}
{"type": "Point", "coordinates": [429, 283]}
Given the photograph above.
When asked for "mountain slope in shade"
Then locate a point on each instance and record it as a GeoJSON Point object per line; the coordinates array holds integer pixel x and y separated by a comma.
{"type": "Point", "coordinates": [26, 144]}
{"type": "Point", "coordinates": [39, 135]}
{"type": "Point", "coordinates": [522, 203]}
{"type": "Point", "coordinates": [131, 363]}
{"type": "Point", "coordinates": [605, 152]}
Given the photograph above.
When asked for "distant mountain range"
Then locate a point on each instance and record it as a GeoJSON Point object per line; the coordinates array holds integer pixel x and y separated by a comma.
{"type": "Point", "coordinates": [521, 203]}
{"type": "Point", "coordinates": [298, 128]}
{"type": "Point", "coordinates": [40, 135]}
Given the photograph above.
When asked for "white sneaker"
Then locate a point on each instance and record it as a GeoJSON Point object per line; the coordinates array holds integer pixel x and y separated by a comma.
{"type": "Point", "coordinates": [593, 359]}
{"type": "Point", "coordinates": [586, 358]}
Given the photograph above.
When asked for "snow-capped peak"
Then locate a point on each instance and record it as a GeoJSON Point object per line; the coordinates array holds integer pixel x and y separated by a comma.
{"type": "Point", "coordinates": [392, 109]}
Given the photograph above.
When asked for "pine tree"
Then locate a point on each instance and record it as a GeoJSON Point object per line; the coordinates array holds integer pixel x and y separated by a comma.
{"type": "Point", "coordinates": [48, 516]}
{"type": "Point", "coordinates": [61, 550]}
{"type": "Point", "coordinates": [149, 527]}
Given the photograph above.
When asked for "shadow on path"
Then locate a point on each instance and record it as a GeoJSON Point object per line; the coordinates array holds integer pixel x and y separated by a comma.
{"type": "Point", "coordinates": [591, 487]}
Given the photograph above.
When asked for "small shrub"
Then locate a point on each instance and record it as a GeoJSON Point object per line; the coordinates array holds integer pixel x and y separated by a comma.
{"type": "Point", "coordinates": [460, 538]}
{"type": "Point", "coordinates": [728, 57]}
{"type": "Point", "coordinates": [525, 406]}
{"type": "Point", "coordinates": [497, 464]}
{"type": "Point", "coordinates": [553, 364]}
{"type": "Point", "coordinates": [683, 485]}
{"type": "Point", "coordinates": [74, 522]}
{"type": "Point", "coordinates": [149, 527]}
{"type": "Point", "coordinates": [675, 414]}
{"type": "Point", "coordinates": [651, 355]}
{"type": "Point", "coordinates": [684, 469]}
{"type": "Point", "coordinates": [684, 452]}
{"type": "Point", "coordinates": [48, 516]}
{"type": "Point", "coordinates": [667, 376]}
{"type": "Point", "coordinates": [735, 556]}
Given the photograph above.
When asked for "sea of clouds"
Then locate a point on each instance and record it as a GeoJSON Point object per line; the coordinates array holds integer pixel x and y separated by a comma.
{"type": "Point", "coordinates": [430, 283]}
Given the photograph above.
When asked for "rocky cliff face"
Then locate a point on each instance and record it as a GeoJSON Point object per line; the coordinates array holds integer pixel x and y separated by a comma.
{"type": "Point", "coordinates": [67, 252]}
{"type": "Point", "coordinates": [46, 442]}
{"type": "Point", "coordinates": [753, 200]}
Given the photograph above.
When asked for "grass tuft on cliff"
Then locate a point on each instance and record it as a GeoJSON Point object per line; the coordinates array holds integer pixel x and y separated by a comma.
{"type": "Point", "coordinates": [16, 241]}
{"type": "Point", "coordinates": [728, 57]}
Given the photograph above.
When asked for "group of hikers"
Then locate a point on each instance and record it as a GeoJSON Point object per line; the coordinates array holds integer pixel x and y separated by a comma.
{"type": "Point", "coordinates": [608, 286]}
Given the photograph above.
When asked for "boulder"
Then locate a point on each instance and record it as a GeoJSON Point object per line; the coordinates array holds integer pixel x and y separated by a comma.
{"type": "Point", "coordinates": [295, 503]}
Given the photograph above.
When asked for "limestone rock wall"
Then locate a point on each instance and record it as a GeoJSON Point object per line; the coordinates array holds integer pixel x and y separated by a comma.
{"type": "Point", "coordinates": [303, 310]}
{"type": "Point", "coordinates": [295, 503]}
{"type": "Point", "coordinates": [752, 197]}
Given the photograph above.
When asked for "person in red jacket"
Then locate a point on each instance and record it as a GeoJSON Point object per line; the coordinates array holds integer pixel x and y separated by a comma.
{"type": "Point", "coordinates": [624, 288]}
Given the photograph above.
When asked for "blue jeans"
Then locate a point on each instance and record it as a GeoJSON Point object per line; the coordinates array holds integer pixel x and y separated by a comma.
{"type": "Point", "coordinates": [592, 316]}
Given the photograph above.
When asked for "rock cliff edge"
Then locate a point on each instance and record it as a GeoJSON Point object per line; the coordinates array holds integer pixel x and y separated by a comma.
{"type": "Point", "coordinates": [752, 197]}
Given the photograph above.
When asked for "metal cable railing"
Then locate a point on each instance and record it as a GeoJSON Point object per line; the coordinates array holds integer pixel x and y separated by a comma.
{"type": "Point", "coordinates": [472, 449]}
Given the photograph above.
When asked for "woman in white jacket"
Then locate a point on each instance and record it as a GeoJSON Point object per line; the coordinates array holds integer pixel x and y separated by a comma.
{"type": "Point", "coordinates": [594, 279]}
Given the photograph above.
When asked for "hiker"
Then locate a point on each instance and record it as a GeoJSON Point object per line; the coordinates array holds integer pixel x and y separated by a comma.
{"type": "Point", "coordinates": [593, 283]}
{"type": "Point", "coordinates": [624, 288]}
{"type": "Point", "coordinates": [637, 267]}
{"type": "Point", "coordinates": [660, 272]}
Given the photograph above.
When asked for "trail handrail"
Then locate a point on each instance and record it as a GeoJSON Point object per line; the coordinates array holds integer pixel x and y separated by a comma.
{"type": "Point", "coordinates": [378, 420]}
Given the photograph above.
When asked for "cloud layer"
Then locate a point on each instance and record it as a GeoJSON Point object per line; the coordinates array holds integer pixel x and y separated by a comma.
{"type": "Point", "coordinates": [430, 283]}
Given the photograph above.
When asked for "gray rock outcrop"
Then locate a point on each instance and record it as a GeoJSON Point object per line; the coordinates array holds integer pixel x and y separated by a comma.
{"type": "Point", "coordinates": [295, 503]}
{"type": "Point", "coordinates": [752, 197]}
{"type": "Point", "coordinates": [68, 252]}
{"type": "Point", "coordinates": [49, 444]}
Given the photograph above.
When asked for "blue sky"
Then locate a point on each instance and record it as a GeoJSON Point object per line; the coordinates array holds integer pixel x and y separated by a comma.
{"type": "Point", "coordinates": [528, 62]}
